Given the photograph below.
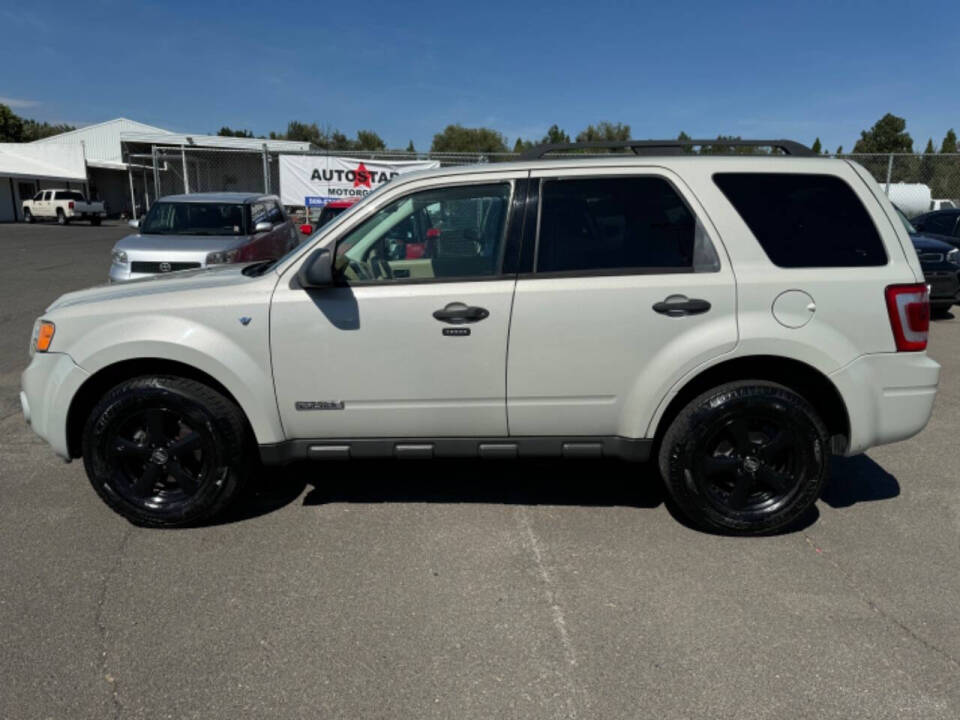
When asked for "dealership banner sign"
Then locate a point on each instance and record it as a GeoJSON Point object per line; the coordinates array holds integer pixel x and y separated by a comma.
{"type": "Point", "coordinates": [315, 180]}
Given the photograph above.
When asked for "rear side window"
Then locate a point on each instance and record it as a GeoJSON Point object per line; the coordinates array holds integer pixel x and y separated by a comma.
{"type": "Point", "coordinates": [69, 195]}
{"type": "Point", "coordinates": [605, 225]}
{"type": "Point", "coordinates": [805, 220]}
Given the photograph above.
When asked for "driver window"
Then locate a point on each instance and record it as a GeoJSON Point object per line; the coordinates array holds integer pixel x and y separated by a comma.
{"type": "Point", "coordinates": [454, 232]}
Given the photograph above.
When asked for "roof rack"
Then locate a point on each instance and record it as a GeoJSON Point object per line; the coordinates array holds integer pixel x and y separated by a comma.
{"type": "Point", "coordinates": [672, 147]}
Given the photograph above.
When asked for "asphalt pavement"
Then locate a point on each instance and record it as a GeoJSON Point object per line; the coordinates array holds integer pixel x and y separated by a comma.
{"type": "Point", "coordinates": [466, 589]}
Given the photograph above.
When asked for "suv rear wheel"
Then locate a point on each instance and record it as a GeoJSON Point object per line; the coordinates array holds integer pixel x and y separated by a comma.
{"type": "Point", "coordinates": [747, 458]}
{"type": "Point", "coordinates": [165, 451]}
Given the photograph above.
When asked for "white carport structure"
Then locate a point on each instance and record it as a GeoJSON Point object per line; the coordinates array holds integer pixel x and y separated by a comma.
{"type": "Point", "coordinates": [123, 186]}
{"type": "Point", "coordinates": [26, 168]}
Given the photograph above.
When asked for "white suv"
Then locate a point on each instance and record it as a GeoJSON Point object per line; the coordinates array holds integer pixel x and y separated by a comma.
{"type": "Point", "coordinates": [736, 319]}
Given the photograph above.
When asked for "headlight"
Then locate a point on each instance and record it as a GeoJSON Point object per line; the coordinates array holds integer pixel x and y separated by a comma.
{"type": "Point", "coordinates": [954, 256]}
{"type": "Point", "coordinates": [223, 257]}
{"type": "Point", "coordinates": [119, 257]}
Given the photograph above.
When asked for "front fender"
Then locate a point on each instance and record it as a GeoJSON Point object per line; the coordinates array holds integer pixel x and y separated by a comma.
{"type": "Point", "coordinates": [242, 368]}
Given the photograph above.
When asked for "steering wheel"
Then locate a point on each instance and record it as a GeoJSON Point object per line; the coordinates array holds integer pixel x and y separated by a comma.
{"type": "Point", "coordinates": [381, 268]}
{"type": "Point", "coordinates": [360, 270]}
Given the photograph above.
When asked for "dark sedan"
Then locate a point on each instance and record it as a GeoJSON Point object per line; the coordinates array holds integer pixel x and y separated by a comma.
{"type": "Point", "coordinates": [940, 262]}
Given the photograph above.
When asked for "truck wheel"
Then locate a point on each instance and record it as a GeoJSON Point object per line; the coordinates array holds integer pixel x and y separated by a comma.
{"type": "Point", "coordinates": [165, 451]}
{"type": "Point", "coordinates": [745, 458]}
{"type": "Point", "coordinates": [95, 220]}
{"type": "Point", "coordinates": [27, 215]}
{"type": "Point", "coordinates": [61, 217]}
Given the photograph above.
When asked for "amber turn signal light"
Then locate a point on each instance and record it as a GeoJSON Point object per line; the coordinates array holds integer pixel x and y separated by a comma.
{"type": "Point", "coordinates": [45, 336]}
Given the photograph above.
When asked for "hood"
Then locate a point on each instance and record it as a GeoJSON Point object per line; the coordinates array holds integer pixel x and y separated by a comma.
{"type": "Point", "coordinates": [929, 243]}
{"type": "Point", "coordinates": [180, 243]}
{"type": "Point", "coordinates": [217, 276]}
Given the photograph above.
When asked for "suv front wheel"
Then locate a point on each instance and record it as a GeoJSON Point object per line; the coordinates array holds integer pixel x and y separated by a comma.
{"type": "Point", "coordinates": [747, 457]}
{"type": "Point", "coordinates": [165, 451]}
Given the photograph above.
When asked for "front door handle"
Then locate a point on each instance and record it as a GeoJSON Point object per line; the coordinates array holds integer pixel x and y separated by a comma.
{"type": "Point", "coordinates": [680, 305]}
{"type": "Point", "coordinates": [458, 313]}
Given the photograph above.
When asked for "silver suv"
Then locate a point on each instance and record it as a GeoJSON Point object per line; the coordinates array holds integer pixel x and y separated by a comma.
{"type": "Point", "coordinates": [184, 232]}
{"type": "Point", "coordinates": [733, 319]}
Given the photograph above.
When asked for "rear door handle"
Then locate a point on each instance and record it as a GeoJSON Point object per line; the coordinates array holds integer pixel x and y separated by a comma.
{"type": "Point", "coordinates": [680, 305]}
{"type": "Point", "coordinates": [458, 313]}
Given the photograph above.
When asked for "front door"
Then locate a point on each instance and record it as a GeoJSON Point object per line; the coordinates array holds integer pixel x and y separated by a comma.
{"type": "Point", "coordinates": [628, 292]}
{"type": "Point", "coordinates": [412, 340]}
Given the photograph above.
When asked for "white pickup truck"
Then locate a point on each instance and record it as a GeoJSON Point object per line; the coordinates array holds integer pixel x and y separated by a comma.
{"type": "Point", "coordinates": [64, 205]}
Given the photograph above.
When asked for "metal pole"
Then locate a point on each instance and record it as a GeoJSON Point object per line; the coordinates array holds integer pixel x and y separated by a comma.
{"type": "Point", "coordinates": [133, 198]}
{"type": "Point", "coordinates": [146, 192]}
{"type": "Point", "coordinates": [156, 172]}
{"type": "Point", "coordinates": [266, 170]}
{"type": "Point", "coordinates": [186, 178]}
{"type": "Point", "coordinates": [889, 173]}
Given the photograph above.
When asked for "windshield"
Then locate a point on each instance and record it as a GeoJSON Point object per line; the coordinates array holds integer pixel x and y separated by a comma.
{"type": "Point", "coordinates": [906, 223]}
{"type": "Point", "coordinates": [189, 218]}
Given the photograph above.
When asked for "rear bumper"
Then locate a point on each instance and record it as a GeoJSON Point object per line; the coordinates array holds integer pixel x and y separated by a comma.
{"type": "Point", "coordinates": [48, 386]}
{"type": "Point", "coordinates": [889, 397]}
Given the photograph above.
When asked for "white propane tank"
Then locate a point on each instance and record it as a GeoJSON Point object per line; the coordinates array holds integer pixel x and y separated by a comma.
{"type": "Point", "coordinates": [912, 198]}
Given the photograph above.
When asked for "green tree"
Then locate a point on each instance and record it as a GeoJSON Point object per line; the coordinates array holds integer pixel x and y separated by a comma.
{"type": "Point", "coordinates": [11, 125]}
{"type": "Point", "coordinates": [369, 140]}
{"type": "Point", "coordinates": [888, 135]}
{"type": "Point", "coordinates": [35, 130]}
{"type": "Point", "coordinates": [929, 149]}
{"type": "Point", "coordinates": [456, 138]}
{"type": "Point", "coordinates": [949, 144]}
{"type": "Point", "coordinates": [303, 132]}
{"type": "Point", "coordinates": [555, 136]}
{"type": "Point", "coordinates": [410, 147]}
{"type": "Point", "coordinates": [520, 145]}
{"type": "Point", "coordinates": [817, 147]}
{"type": "Point", "coordinates": [839, 150]}
{"type": "Point", "coordinates": [682, 137]}
{"type": "Point", "coordinates": [604, 132]}
{"type": "Point", "coordinates": [230, 132]}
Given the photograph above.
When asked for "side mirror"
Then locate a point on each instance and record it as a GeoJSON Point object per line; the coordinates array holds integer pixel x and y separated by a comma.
{"type": "Point", "coordinates": [263, 226]}
{"type": "Point", "coordinates": [306, 229]}
{"type": "Point", "coordinates": [317, 269]}
{"type": "Point", "coordinates": [134, 224]}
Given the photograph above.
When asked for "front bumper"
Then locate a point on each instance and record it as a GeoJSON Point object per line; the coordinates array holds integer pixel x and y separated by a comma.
{"type": "Point", "coordinates": [48, 386]}
{"type": "Point", "coordinates": [944, 286]}
{"type": "Point", "coordinates": [889, 397]}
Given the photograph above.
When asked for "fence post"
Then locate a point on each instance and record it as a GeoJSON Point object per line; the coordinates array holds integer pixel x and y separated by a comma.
{"type": "Point", "coordinates": [186, 177]}
{"type": "Point", "coordinates": [266, 170]}
{"type": "Point", "coordinates": [133, 197]}
{"type": "Point", "coordinates": [156, 173]}
{"type": "Point", "coordinates": [889, 173]}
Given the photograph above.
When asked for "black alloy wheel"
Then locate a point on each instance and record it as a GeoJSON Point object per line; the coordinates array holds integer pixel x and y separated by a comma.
{"type": "Point", "coordinates": [746, 458]}
{"type": "Point", "coordinates": [165, 451]}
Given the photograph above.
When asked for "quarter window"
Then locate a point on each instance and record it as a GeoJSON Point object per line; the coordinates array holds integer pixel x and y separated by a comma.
{"type": "Point", "coordinates": [454, 232]}
{"type": "Point", "coordinates": [803, 220]}
{"type": "Point", "coordinates": [638, 224]}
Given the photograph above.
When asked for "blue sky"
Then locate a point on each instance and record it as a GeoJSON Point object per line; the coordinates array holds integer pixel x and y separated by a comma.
{"type": "Point", "coordinates": [406, 70]}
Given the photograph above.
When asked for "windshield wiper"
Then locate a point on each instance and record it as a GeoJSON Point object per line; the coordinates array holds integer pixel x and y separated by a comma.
{"type": "Point", "coordinates": [258, 269]}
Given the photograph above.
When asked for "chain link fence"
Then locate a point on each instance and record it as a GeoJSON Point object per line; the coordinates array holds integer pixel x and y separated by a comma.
{"type": "Point", "coordinates": [916, 183]}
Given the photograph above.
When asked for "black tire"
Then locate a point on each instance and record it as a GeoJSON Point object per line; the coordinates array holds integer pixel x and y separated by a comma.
{"type": "Point", "coordinates": [61, 217]}
{"type": "Point", "coordinates": [745, 458]}
{"type": "Point", "coordinates": [95, 220]}
{"type": "Point", "coordinates": [165, 451]}
{"type": "Point", "coordinates": [27, 215]}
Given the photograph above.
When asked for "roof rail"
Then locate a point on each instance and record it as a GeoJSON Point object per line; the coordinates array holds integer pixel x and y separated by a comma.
{"type": "Point", "coordinates": [672, 147]}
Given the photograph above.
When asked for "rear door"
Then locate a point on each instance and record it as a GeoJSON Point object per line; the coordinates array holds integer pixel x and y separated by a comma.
{"type": "Point", "coordinates": [627, 289]}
